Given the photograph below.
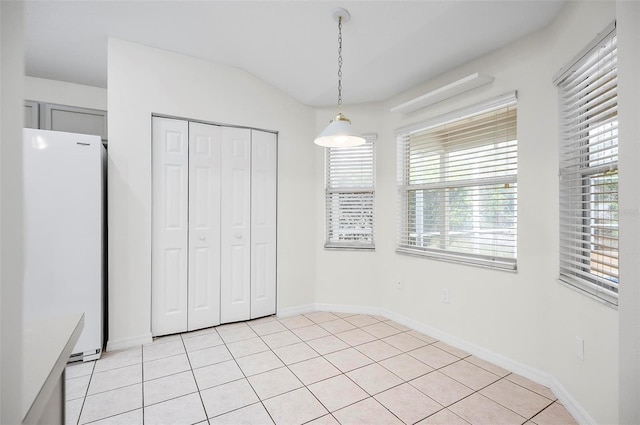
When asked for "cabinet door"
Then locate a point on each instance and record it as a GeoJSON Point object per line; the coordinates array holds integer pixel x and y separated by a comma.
{"type": "Point", "coordinates": [235, 225]}
{"type": "Point", "coordinates": [170, 174]}
{"type": "Point", "coordinates": [263, 223]}
{"type": "Point", "coordinates": [204, 226]}
{"type": "Point", "coordinates": [31, 114]}
{"type": "Point", "coordinates": [74, 120]}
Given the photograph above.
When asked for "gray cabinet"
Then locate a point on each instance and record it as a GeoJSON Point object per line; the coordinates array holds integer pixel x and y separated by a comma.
{"type": "Point", "coordinates": [31, 114]}
{"type": "Point", "coordinates": [72, 119]}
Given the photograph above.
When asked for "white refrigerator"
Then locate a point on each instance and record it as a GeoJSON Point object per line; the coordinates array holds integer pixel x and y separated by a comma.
{"type": "Point", "coordinates": [64, 175]}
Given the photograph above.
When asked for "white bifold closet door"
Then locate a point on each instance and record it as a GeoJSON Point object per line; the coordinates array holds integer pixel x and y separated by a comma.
{"type": "Point", "coordinates": [263, 223]}
{"type": "Point", "coordinates": [169, 246]}
{"type": "Point", "coordinates": [186, 226]}
{"type": "Point", "coordinates": [236, 225]}
{"type": "Point", "coordinates": [248, 231]}
{"type": "Point", "coordinates": [214, 225]}
{"type": "Point", "coordinates": [204, 227]}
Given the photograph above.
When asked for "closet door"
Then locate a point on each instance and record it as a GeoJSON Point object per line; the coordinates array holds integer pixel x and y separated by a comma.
{"type": "Point", "coordinates": [170, 174]}
{"type": "Point", "coordinates": [204, 226]}
{"type": "Point", "coordinates": [263, 223]}
{"type": "Point", "coordinates": [235, 303]}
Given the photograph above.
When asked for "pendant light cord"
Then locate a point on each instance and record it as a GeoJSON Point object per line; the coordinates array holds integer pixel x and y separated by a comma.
{"type": "Point", "coordinates": [340, 64]}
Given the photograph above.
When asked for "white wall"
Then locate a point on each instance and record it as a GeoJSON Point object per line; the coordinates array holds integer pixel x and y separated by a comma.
{"type": "Point", "coordinates": [143, 81]}
{"type": "Point", "coordinates": [11, 231]}
{"type": "Point", "coordinates": [525, 316]}
{"type": "Point", "coordinates": [334, 267]}
{"type": "Point", "coordinates": [63, 93]}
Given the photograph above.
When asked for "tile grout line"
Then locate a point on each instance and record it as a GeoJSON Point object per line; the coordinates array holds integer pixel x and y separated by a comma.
{"type": "Point", "coordinates": [204, 408]}
{"type": "Point", "coordinates": [245, 377]}
{"type": "Point", "coordinates": [102, 392]}
{"type": "Point", "coordinates": [296, 376]}
{"type": "Point", "coordinates": [84, 399]}
{"type": "Point", "coordinates": [355, 383]}
{"type": "Point", "coordinates": [403, 381]}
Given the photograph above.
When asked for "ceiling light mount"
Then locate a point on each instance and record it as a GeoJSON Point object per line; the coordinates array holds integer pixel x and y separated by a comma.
{"type": "Point", "coordinates": [340, 12]}
{"type": "Point", "coordinates": [339, 133]}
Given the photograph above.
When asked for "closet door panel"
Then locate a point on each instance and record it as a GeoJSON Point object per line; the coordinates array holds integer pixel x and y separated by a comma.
{"type": "Point", "coordinates": [170, 174]}
{"type": "Point", "coordinates": [204, 226]}
{"type": "Point", "coordinates": [263, 223]}
{"type": "Point", "coordinates": [235, 303]}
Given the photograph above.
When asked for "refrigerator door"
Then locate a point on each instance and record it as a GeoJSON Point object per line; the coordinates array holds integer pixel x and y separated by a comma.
{"type": "Point", "coordinates": [63, 189]}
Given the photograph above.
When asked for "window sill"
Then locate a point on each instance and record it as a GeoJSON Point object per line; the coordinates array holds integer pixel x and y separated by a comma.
{"type": "Point", "coordinates": [459, 259]}
{"type": "Point", "coordinates": [609, 301]}
{"type": "Point", "coordinates": [370, 248]}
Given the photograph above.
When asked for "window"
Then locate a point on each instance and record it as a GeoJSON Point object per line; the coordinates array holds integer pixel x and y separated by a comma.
{"type": "Point", "coordinates": [349, 192]}
{"type": "Point", "coordinates": [589, 170]}
{"type": "Point", "coordinates": [458, 186]}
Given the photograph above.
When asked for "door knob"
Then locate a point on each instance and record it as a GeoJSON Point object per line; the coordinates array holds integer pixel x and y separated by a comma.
{"type": "Point", "coordinates": [238, 235]}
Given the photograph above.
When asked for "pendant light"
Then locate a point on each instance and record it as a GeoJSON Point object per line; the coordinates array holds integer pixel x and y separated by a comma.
{"type": "Point", "coordinates": [338, 133]}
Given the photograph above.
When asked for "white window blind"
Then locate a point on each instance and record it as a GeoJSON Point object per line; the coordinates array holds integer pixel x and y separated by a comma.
{"type": "Point", "coordinates": [458, 186]}
{"type": "Point", "coordinates": [349, 196]}
{"type": "Point", "coordinates": [589, 170]}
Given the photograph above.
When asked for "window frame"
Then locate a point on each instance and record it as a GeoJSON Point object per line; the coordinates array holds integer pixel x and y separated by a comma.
{"type": "Point", "coordinates": [333, 209]}
{"type": "Point", "coordinates": [578, 170]}
{"type": "Point", "coordinates": [405, 187]}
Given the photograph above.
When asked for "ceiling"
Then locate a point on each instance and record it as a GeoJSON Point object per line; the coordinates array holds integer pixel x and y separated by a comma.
{"type": "Point", "coordinates": [389, 46]}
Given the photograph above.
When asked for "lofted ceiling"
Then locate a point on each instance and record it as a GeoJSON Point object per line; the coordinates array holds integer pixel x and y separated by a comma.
{"type": "Point", "coordinates": [389, 46]}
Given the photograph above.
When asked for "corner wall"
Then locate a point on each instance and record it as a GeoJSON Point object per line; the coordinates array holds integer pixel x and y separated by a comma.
{"type": "Point", "coordinates": [628, 24]}
{"type": "Point", "coordinates": [11, 210]}
{"type": "Point", "coordinates": [525, 317]}
{"type": "Point", "coordinates": [143, 81]}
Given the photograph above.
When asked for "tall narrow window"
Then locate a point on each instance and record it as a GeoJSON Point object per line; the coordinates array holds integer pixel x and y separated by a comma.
{"type": "Point", "coordinates": [349, 195]}
{"type": "Point", "coordinates": [589, 169]}
{"type": "Point", "coordinates": [458, 186]}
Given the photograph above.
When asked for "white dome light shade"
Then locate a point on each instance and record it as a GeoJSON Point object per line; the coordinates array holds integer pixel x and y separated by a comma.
{"type": "Point", "coordinates": [339, 134]}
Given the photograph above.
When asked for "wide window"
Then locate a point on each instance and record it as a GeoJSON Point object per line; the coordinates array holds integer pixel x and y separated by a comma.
{"type": "Point", "coordinates": [349, 196]}
{"type": "Point", "coordinates": [589, 169]}
{"type": "Point", "coordinates": [458, 186]}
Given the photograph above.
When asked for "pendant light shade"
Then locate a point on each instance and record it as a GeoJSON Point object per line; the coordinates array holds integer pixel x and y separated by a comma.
{"type": "Point", "coordinates": [338, 133]}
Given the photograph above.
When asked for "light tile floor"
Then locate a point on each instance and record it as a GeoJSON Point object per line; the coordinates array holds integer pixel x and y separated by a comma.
{"type": "Point", "coordinates": [317, 368]}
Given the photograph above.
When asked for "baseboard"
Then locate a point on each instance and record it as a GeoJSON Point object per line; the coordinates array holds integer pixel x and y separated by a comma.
{"type": "Point", "coordinates": [121, 344]}
{"type": "Point", "coordinates": [292, 311]}
{"type": "Point", "coordinates": [353, 309]}
{"type": "Point", "coordinates": [536, 375]}
{"type": "Point", "coordinates": [571, 404]}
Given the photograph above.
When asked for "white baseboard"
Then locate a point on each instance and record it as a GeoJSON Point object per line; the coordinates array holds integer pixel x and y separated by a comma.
{"type": "Point", "coordinates": [572, 405]}
{"type": "Point", "coordinates": [292, 311]}
{"type": "Point", "coordinates": [121, 344]}
{"type": "Point", "coordinates": [353, 309]}
{"type": "Point", "coordinates": [536, 375]}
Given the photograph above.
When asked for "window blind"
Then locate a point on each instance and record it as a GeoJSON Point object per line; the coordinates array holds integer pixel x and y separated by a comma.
{"type": "Point", "coordinates": [349, 196]}
{"type": "Point", "coordinates": [589, 170]}
{"type": "Point", "coordinates": [458, 188]}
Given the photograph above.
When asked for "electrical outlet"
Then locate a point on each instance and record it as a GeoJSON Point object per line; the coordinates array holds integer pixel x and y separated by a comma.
{"type": "Point", "coordinates": [445, 296]}
{"type": "Point", "coordinates": [579, 344]}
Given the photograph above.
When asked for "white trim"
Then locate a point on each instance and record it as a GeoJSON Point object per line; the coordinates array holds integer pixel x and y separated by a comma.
{"type": "Point", "coordinates": [445, 92]}
{"type": "Point", "coordinates": [502, 100]}
{"type": "Point", "coordinates": [492, 264]}
{"type": "Point", "coordinates": [535, 375]}
{"type": "Point", "coordinates": [571, 404]}
{"type": "Point", "coordinates": [353, 309]}
{"type": "Point", "coordinates": [121, 344]}
{"type": "Point", "coordinates": [292, 311]}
